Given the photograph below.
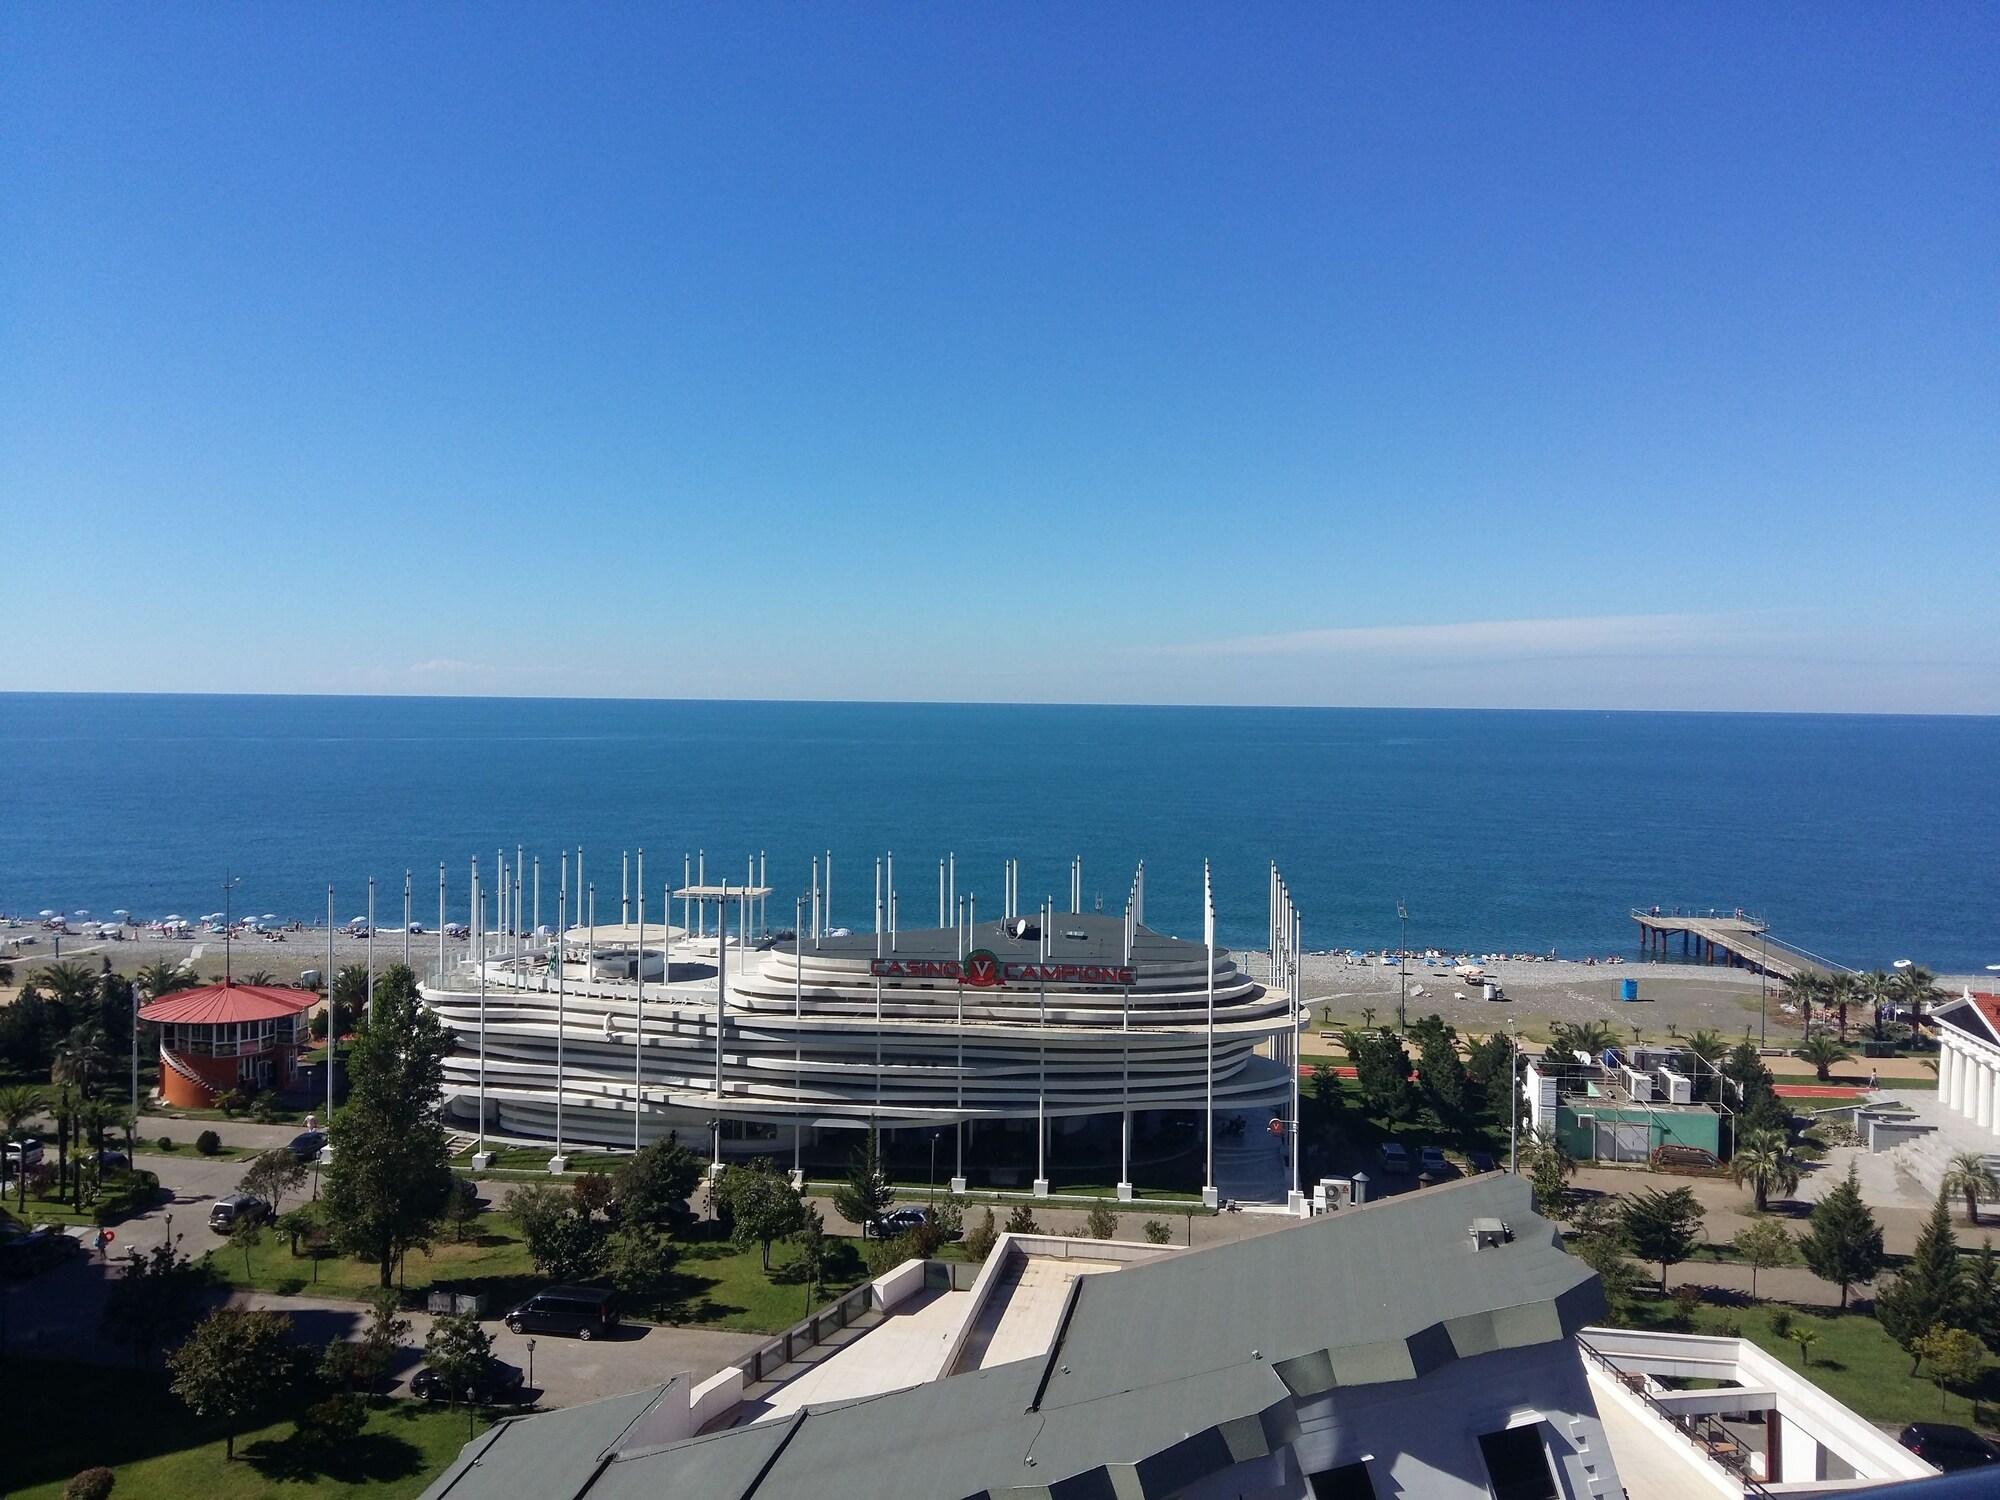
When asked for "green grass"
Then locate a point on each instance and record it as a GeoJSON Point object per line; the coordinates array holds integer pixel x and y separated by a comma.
{"type": "Point", "coordinates": [186, 1149]}
{"type": "Point", "coordinates": [128, 1420]}
{"type": "Point", "coordinates": [1854, 1361]}
{"type": "Point", "coordinates": [121, 1198]}
{"type": "Point", "coordinates": [535, 1159]}
{"type": "Point", "coordinates": [491, 1259]}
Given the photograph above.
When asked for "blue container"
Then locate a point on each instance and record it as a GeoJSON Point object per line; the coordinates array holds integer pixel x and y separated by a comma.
{"type": "Point", "coordinates": [1628, 989]}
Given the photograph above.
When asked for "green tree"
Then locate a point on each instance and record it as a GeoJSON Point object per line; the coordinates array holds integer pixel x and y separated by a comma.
{"type": "Point", "coordinates": [461, 1208]}
{"type": "Point", "coordinates": [1982, 1296]}
{"type": "Point", "coordinates": [388, 1330]}
{"type": "Point", "coordinates": [164, 977]}
{"type": "Point", "coordinates": [1443, 1074]}
{"type": "Point", "coordinates": [1325, 1085]}
{"type": "Point", "coordinates": [391, 1174]}
{"type": "Point", "coordinates": [982, 1236]}
{"type": "Point", "coordinates": [1955, 1355]}
{"type": "Point", "coordinates": [653, 1185]}
{"type": "Point", "coordinates": [1765, 1164]}
{"type": "Point", "coordinates": [1549, 1169]}
{"type": "Point", "coordinates": [1969, 1177]}
{"type": "Point", "coordinates": [1157, 1231]}
{"type": "Point", "coordinates": [1589, 1038]}
{"type": "Point", "coordinates": [1100, 1223]}
{"type": "Point", "coordinates": [865, 1197]}
{"type": "Point", "coordinates": [1663, 1226]}
{"type": "Point", "coordinates": [1823, 1052]}
{"type": "Point", "coordinates": [764, 1204]}
{"type": "Point", "coordinates": [1930, 1288]}
{"type": "Point", "coordinates": [154, 1298]}
{"type": "Point", "coordinates": [638, 1259]}
{"type": "Point", "coordinates": [1842, 1243]}
{"type": "Point", "coordinates": [1382, 1069]}
{"type": "Point", "coordinates": [272, 1174]}
{"type": "Point", "coordinates": [1764, 1244]}
{"type": "Point", "coordinates": [1805, 1335]}
{"type": "Point", "coordinates": [562, 1243]}
{"type": "Point", "coordinates": [1803, 989]}
{"type": "Point", "coordinates": [1604, 1252]}
{"type": "Point", "coordinates": [294, 1223]}
{"type": "Point", "coordinates": [246, 1233]}
{"type": "Point", "coordinates": [233, 1366]}
{"type": "Point", "coordinates": [814, 1251]}
{"type": "Point", "coordinates": [1708, 1049]}
{"type": "Point", "coordinates": [457, 1348]}
{"type": "Point", "coordinates": [1022, 1221]}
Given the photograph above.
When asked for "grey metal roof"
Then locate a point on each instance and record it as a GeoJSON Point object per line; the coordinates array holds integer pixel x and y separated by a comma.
{"type": "Point", "coordinates": [553, 1456]}
{"type": "Point", "coordinates": [1161, 1373]}
{"type": "Point", "coordinates": [1103, 941]}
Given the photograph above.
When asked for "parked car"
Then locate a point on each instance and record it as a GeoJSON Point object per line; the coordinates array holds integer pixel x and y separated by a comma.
{"type": "Point", "coordinates": [1395, 1157]}
{"type": "Point", "coordinates": [584, 1312]}
{"type": "Point", "coordinates": [498, 1383]}
{"type": "Point", "coordinates": [18, 1154]}
{"type": "Point", "coordinates": [25, 1253]}
{"type": "Point", "coordinates": [307, 1144]}
{"type": "Point", "coordinates": [1948, 1447]}
{"type": "Point", "coordinates": [1431, 1163]}
{"type": "Point", "coordinates": [1482, 1161]}
{"type": "Point", "coordinates": [111, 1161]}
{"type": "Point", "coordinates": [898, 1221]}
{"type": "Point", "coordinates": [227, 1211]}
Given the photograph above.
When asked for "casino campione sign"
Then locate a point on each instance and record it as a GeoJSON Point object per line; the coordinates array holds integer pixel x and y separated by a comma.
{"type": "Point", "coordinates": [983, 970]}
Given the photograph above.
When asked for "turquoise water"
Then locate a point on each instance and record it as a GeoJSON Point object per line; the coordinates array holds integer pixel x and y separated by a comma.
{"type": "Point", "coordinates": [1867, 839]}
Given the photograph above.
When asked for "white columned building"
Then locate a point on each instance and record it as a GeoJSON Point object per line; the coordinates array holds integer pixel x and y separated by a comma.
{"type": "Point", "coordinates": [1969, 1058]}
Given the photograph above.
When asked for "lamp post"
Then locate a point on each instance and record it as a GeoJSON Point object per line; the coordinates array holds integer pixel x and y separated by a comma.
{"type": "Point", "coordinates": [1403, 966]}
{"type": "Point", "coordinates": [531, 1364]}
{"type": "Point", "coordinates": [931, 1185]}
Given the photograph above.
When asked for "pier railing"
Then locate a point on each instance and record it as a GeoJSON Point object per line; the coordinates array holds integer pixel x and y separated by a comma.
{"type": "Point", "coordinates": [1712, 914]}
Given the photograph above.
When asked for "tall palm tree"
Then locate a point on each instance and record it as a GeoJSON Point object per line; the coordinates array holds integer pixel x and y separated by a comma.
{"type": "Point", "coordinates": [259, 976]}
{"type": "Point", "coordinates": [1802, 987]}
{"type": "Point", "coordinates": [70, 982]}
{"type": "Point", "coordinates": [1765, 1164]}
{"type": "Point", "coordinates": [161, 977]}
{"type": "Point", "coordinates": [20, 1103]}
{"type": "Point", "coordinates": [1822, 1051]}
{"type": "Point", "coordinates": [1969, 1176]}
{"type": "Point", "coordinates": [1917, 987]}
{"type": "Point", "coordinates": [1878, 988]}
{"type": "Point", "coordinates": [1708, 1046]}
{"type": "Point", "coordinates": [81, 1057]}
{"type": "Point", "coordinates": [1842, 991]}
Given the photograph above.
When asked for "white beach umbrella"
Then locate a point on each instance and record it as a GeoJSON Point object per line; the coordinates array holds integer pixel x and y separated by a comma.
{"type": "Point", "coordinates": [269, 916]}
{"type": "Point", "coordinates": [82, 914]}
{"type": "Point", "coordinates": [46, 912]}
{"type": "Point", "coordinates": [119, 911]}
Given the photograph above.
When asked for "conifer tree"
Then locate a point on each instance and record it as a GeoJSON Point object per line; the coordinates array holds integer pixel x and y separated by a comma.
{"type": "Point", "coordinates": [1931, 1289]}
{"type": "Point", "coordinates": [1842, 1243]}
{"type": "Point", "coordinates": [865, 1197]}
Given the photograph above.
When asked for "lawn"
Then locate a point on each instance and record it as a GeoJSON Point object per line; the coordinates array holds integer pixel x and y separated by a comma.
{"type": "Point", "coordinates": [535, 1159]}
{"type": "Point", "coordinates": [1854, 1361]}
{"type": "Point", "coordinates": [121, 1197]}
{"type": "Point", "coordinates": [80, 1416]}
{"type": "Point", "coordinates": [491, 1258]}
{"type": "Point", "coordinates": [713, 1283]}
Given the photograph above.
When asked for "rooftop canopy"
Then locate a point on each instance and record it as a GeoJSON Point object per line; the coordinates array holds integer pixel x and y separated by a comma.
{"type": "Point", "coordinates": [220, 1004]}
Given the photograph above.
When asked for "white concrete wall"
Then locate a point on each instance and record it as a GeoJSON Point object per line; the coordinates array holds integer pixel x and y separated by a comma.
{"type": "Point", "coordinates": [898, 1286]}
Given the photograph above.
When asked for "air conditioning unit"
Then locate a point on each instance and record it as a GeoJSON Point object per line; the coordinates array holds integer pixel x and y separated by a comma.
{"type": "Point", "coordinates": [1676, 1088]}
{"type": "Point", "coordinates": [1639, 1085]}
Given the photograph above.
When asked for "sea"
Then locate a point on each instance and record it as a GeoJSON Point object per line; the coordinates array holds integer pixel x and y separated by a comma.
{"type": "Point", "coordinates": [1865, 839]}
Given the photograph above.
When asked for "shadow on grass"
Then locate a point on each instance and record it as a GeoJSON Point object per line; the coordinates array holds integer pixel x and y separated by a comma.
{"type": "Point", "coordinates": [369, 1458]}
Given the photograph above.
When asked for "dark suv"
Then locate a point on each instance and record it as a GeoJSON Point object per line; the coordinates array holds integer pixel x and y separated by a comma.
{"type": "Point", "coordinates": [1947, 1447]}
{"type": "Point", "coordinates": [584, 1311]}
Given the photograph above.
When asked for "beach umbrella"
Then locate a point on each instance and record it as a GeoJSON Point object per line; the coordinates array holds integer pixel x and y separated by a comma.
{"type": "Point", "coordinates": [83, 914]}
{"type": "Point", "coordinates": [269, 916]}
{"type": "Point", "coordinates": [46, 912]}
{"type": "Point", "coordinates": [119, 911]}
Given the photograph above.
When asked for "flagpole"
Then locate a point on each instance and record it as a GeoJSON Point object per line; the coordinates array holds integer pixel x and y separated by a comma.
{"type": "Point", "coordinates": [326, 1151]}
{"type": "Point", "coordinates": [1209, 1196]}
{"type": "Point", "coordinates": [440, 924]}
{"type": "Point", "coordinates": [479, 963]}
{"type": "Point", "coordinates": [407, 914]}
{"type": "Point", "coordinates": [639, 1034]}
{"type": "Point", "coordinates": [1042, 1054]}
{"type": "Point", "coordinates": [721, 1008]}
{"type": "Point", "coordinates": [371, 946]}
{"type": "Point", "coordinates": [798, 1043]}
{"type": "Point", "coordinates": [559, 1161]}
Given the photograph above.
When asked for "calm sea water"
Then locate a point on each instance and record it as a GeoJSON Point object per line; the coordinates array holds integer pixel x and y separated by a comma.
{"type": "Point", "coordinates": [1867, 839]}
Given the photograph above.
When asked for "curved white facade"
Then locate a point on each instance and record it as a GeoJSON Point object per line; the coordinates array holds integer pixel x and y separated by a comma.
{"type": "Point", "coordinates": [838, 1036]}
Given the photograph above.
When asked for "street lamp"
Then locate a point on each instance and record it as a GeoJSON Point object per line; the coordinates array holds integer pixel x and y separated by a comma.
{"type": "Point", "coordinates": [531, 1364]}
{"type": "Point", "coordinates": [931, 1185]}
{"type": "Point", "coordinates": [1994, 969]}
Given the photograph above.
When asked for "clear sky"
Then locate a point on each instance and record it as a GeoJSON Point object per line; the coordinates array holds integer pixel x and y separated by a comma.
{"type": "Point", "coordinates": [1461, 355]}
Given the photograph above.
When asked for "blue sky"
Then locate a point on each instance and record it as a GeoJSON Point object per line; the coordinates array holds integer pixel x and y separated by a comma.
{"type": "Point", "coordinates": [1538, 356]}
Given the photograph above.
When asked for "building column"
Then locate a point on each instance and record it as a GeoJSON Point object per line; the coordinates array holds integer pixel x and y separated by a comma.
{"type": "Point", "coordinates": [1992, 1111]}
{"type": "Point", "coordinates": [1961, 1079]}
{"type": "Point", "coordinates": [1947, 1074]}
{"type": "Point", "coordinates": [1982, 1095]}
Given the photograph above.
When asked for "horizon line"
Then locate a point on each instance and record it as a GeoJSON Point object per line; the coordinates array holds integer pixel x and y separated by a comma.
{"type": "Point", "coordinates": [418, 697]}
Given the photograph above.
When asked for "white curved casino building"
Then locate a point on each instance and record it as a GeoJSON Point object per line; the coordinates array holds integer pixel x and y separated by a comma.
{"type": "Point", "coordinates": [1005, 1025]}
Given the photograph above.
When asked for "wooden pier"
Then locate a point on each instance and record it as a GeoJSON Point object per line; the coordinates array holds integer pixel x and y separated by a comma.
{"type": "Point", "coordinates": [1735, 938]}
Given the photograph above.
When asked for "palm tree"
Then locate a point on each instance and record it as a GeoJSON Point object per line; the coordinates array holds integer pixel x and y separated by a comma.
{"type": "Point", "coordinates": [71, 983]}
{"type": "Point", "coordinates": [161, 977]}
{"type": "Point", "coordinates": [20, 1103]}
{"type": "Point", "coordinates": [1367, 1018]}
{"type": "Point", "coordinates": [1708, 1046]}
{"type": "Point", "coordinates": [1822, 1051]}
{"type": "Point", "coordinates": [1878, 988]}
{"type": "Point", "coordinates": [1968, 1174]}
{"type": "Point", "coordinates": [1802, 988]}
{"type": "Point", "coordinates": [80, 1057]}
{"type": "Point", "coordinates": [1842, 991]}
{"type": "Point", "coordinates": [1765, 1164]}
{"type": "Point", "coordinates": [259, 976]}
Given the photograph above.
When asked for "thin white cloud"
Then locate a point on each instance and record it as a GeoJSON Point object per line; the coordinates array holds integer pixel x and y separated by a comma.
{"type": "Point", "coordinates": [447, 666]}
{"type": "Point", "coordinates": [1591, 635]}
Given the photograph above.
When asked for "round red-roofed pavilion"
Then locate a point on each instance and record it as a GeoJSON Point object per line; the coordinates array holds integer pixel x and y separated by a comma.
{"type": "Point", "coordinates": [222, 1035]}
